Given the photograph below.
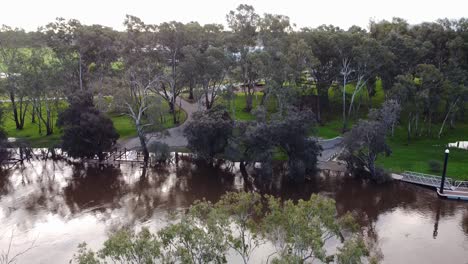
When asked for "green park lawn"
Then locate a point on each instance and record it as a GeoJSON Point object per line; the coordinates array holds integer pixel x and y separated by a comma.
{"type": "Point", "coordinates": [416, 155]}
{"type": "Point", "coordinates": [122, 123]}
{"type": "Point", "coordinates": [412, 157]}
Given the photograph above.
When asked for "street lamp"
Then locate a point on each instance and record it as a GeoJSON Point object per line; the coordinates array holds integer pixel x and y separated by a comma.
{"type": "Point", "coordinates": [447, 151]}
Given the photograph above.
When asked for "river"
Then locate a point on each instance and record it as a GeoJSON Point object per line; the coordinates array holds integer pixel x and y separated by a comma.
{"type": "Point", "coordinates": [57, 205]}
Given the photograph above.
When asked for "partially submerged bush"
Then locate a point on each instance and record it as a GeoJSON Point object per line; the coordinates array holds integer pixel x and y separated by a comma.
{"type": "Point", "coordinates": [160, 150]}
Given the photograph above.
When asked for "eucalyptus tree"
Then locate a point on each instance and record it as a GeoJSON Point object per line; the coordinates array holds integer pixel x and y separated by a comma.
{"type": "Point", "coordinates": [370, 58]}
{"type": "Point", "coordinates": [62, 37]}
{"type": "Point", "coordinates": [141, 74]}
{"type": "Point", "coordinates": [39, 74]}
{"type": "Point", "coordinates": [239, 223]}
{"type": "Point", "coordinates": [213, 66]}
{"type": "Point", "coordinates": [455, 93]}
{"type": "Point", "coordinates": [274, 33]}
{"type": "Point", "coordinates": [12, 63]}
{"type": "Point", "coordinates": [366, 141]}
{"type": "Point", "coordinates": [209, 132]}
{"type": "Point", "coordinates": [436, 38]}
{"type": "Point", "coordinates": [99, 49]}
{"type": "Point", "coordinates": [347, 41]}
{"type": "Point", "coordinates": [206, 64]}
{"type": "Point", "coordinates": [325, 68]}
{"type": "Point", "coordinates": [431, 85]}
{"type": "Point", "coordinates": [244, 24]}
{"type": "Point", "coordinates": [171, 38]}
{"type": "Point", "coordinates": [405, 91]}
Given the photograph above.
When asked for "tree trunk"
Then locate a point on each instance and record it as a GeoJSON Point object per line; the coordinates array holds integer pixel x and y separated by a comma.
{"type": "Point", "coordinates": [143, 144]}
{"type": "Point", "coordinates": [191, 90]}
{"type": "Point", "coordinates": [449, 111]}
{"type": "Point", "coordinates": [81, 76]}
{"type": "Point", "coordinates": [408, 130]}
{"type": "Point", "coordinates": [248, 99]}
{"type": "Point", "coordinates": [33, 114]}
{"type": "Point", "coordinates": [344, 104]}
{"type": "Point", "coordinates": [15, 111]}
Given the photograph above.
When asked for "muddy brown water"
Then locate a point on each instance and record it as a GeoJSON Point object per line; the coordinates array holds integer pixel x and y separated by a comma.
{"type": "Point", "coordinates": [57, 205]}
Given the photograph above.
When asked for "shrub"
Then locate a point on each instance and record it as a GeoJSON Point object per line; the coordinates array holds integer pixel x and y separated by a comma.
{"type": "Point", "coordinates": [160, 150]}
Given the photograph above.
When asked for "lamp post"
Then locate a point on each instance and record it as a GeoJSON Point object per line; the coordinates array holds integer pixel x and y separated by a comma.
{"type": "Point", "coordinates": [447, 151]}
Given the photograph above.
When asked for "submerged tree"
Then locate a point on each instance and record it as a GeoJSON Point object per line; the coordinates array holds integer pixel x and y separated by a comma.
{"type": "Point", "coordinates": [367, 140]}
{"type": "Point", "coordinates": [86, 131]}
{"type": "Point", "coordinates": [209, 132]}
{"type": "Point", "coordinates": [140, 76]}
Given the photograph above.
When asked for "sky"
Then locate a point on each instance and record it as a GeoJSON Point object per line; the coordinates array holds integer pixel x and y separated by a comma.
{"type": "Point", "coordinates": [29, 14]}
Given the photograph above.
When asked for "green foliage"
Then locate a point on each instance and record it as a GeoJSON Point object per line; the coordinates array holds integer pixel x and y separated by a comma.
{"type": "Point", "coordinates": [240, 222]}
{"type": "Point", "coordinates": [352, 252]}
{"type": "Point", "coordinates": [160, 150]}
{"type": "Point", "coordinates": [86, 131]}
{"type": "Point", "coordinates": [128, 247]}
{"type": "Point", "coordinates": [367, 140]}
{"type": "Point", "coordinates": [209, 132]}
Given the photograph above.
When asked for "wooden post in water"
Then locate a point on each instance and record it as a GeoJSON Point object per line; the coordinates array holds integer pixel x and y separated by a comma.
{"type": "Point", "coordinates": [444, 172]}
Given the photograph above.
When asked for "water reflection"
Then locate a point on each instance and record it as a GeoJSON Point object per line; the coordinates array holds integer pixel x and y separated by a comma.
{"type": "Point", "coordinates": [63, 204]}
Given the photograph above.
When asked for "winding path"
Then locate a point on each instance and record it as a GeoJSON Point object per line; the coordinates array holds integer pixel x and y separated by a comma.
{"type": "Point", "coordinates": [176, 136]}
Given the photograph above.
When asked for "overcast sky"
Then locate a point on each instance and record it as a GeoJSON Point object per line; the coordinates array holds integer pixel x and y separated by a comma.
{"type": "Point", "coordinates": [29, 14]}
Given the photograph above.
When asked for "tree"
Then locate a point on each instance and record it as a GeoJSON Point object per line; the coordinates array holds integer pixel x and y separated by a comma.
{"type": "Point", "coordinates": [86, 131]}
{"type": "Point", "coordinates": [99, 49]}
{"type": "Point", "coordinates": [63, 37]}
{"type": "Point", "coordinates": [299, 231]}
{"type": "Point", "coordinates": [209, 132]}
{"type": "Point", "coordinates": [11, 64]}
{"type": "Point", "coordinates": [199, 237]}
{"type": "Point", "coordinates": [431, 85]}
{"type": "Point", "coordinates": [325, 69]}
{"type": "Point", "coordinates": [276, 67]}
{"type": "Point", "coordinates": [45, 92]}
{"type": "Point", "coordinates": [405, 92]}
{"type": "Point", "coordinates": [244, 25]}
{"type": "Point", "coordinates": [141, 74]}
{"type": "Point", "coordinates": [171, 39]}
{"type": "Point", "coordinates": [209, 68]}
{"type": "Point", "coordinates": [367, 140]}
{"type": "Point", "coordinates": [290, 134]}
{"type": "Point", "coordinates": [123, 246]}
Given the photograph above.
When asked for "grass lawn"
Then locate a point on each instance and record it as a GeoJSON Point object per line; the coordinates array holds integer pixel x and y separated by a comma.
{"type": "Point", "coordinates": [239, 105]}
{"type": "Point", "coordinates": [122, 123]}
{"type": "Point", "coordinates": [416, 155]}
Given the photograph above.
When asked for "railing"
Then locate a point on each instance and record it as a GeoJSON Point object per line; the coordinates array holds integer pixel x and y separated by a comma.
{"type": "Point", "coordinates": [427, 179]}
{"type": "Point", "coordinates": [460, 185]}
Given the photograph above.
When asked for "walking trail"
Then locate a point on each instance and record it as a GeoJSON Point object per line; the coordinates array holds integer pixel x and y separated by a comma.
{"type": "Point", "coordinates": [176, 136]}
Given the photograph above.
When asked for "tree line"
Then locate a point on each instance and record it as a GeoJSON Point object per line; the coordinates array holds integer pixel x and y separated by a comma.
{"type": "Point", "coordinates": [422, 67]}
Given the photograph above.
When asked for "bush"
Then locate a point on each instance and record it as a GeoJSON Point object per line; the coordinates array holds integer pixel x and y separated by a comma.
{"type": "Point", "coordinates": [382, 176]}
{"type": "Point", "coordinates": [435, 165]}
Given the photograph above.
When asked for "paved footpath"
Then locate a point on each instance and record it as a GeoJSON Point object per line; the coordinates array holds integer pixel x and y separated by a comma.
{"type": "Point", "coordinates": [176, 136]}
